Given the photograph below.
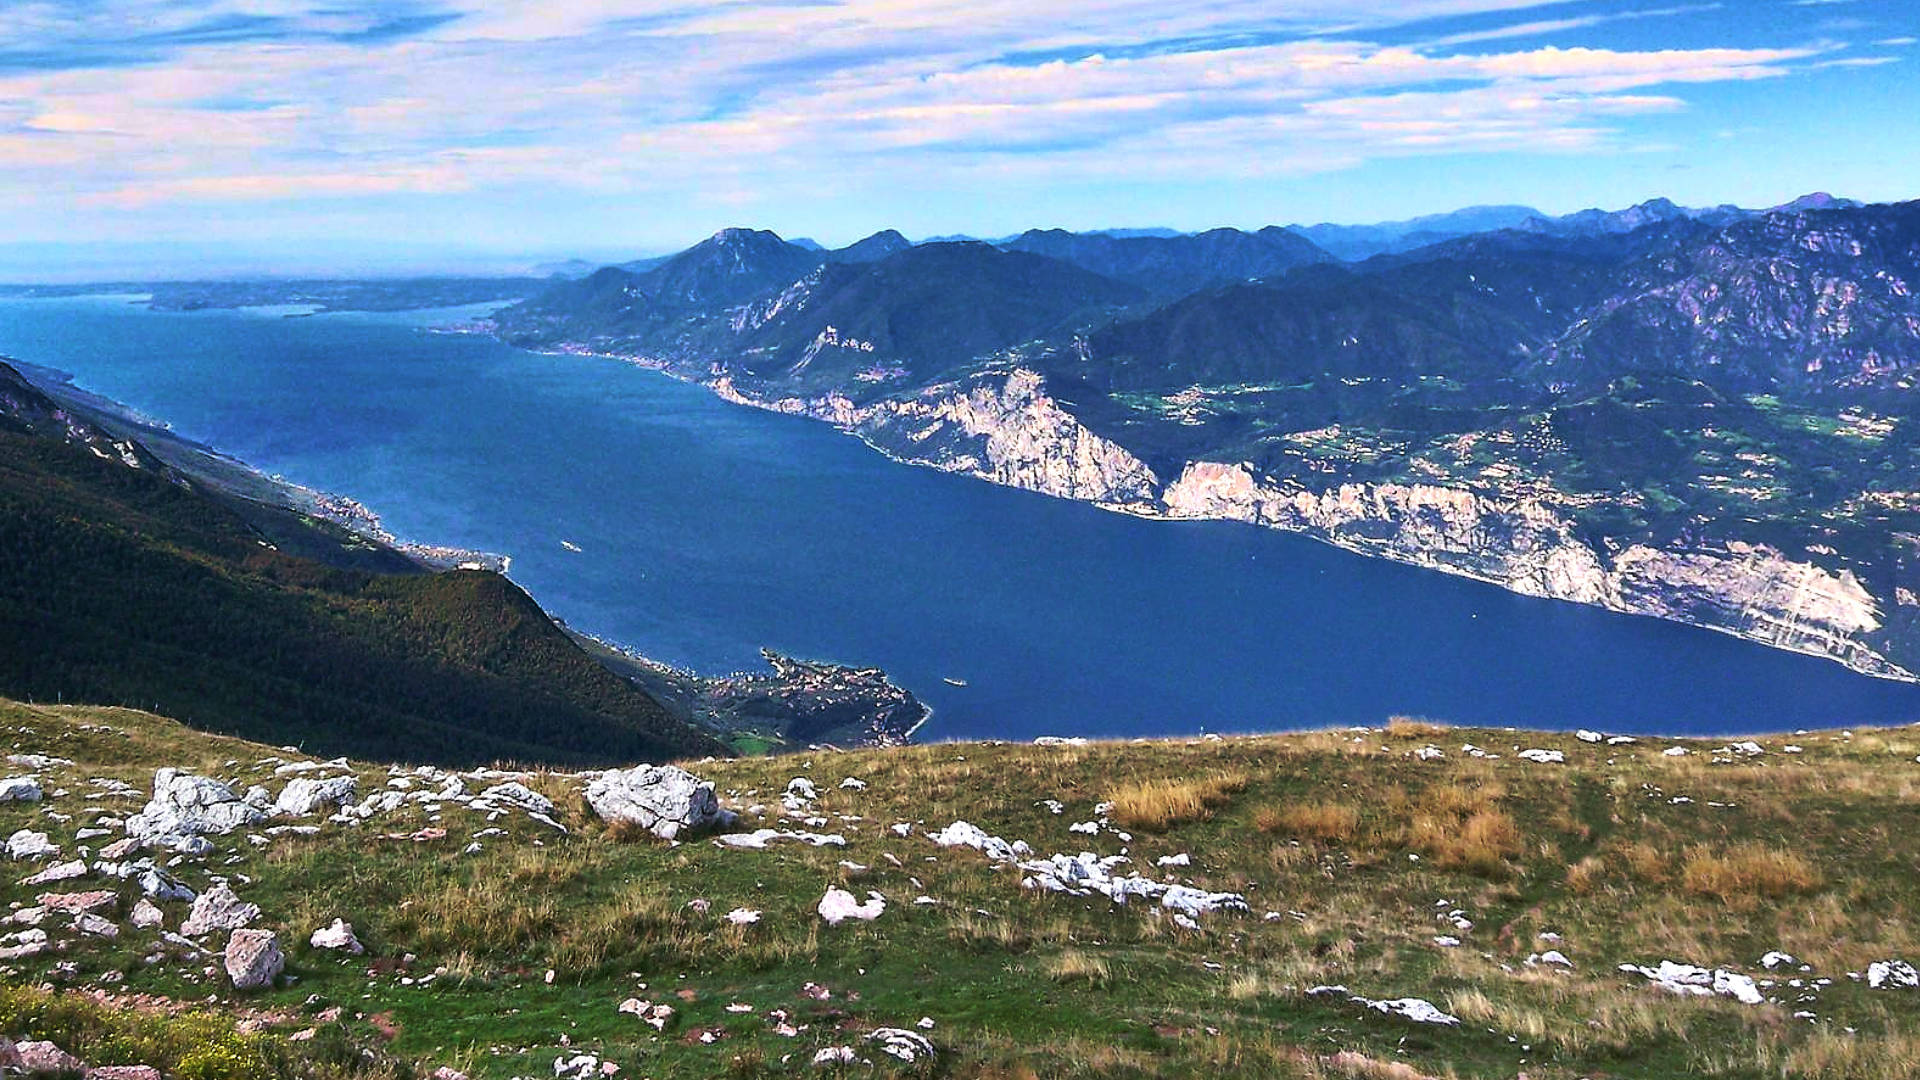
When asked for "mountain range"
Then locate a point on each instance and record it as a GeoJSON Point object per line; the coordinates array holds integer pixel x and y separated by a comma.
{"type": "Point", "coordinates": [1697, 414]}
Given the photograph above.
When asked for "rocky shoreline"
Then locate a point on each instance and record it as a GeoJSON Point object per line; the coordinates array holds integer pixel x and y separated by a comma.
{"type": "Point", "coordinates": [1002, 426]}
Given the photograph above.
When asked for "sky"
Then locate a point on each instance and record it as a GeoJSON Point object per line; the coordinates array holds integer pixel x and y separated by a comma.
{"type": "Point", "coordinates": [148, 137]}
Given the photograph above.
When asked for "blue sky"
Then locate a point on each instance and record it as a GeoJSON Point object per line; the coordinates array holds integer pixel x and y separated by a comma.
{"type": "Point", "coordinates": [147, 136]}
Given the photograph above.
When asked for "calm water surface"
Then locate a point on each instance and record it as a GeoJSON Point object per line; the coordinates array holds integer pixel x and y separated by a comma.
{"type": "Point", "coordinates": [708, 530]}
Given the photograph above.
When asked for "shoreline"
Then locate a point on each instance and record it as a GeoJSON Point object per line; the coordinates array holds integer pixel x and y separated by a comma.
{"type": "Point", "coordinates": [240, 479]}
{"type": "Point", "coordinates": [725, 389]}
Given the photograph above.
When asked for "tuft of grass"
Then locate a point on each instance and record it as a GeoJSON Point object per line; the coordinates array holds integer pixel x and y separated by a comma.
{"type": "Point", "coordinates": [1076, 965]}
{"type": "Point", "coordinates": [1158, 805]}
{"type": "Point", "coordinates": [1327, 822]}
{"type": "Point", "coordinates": [1414, 727]}
{"type": "Point", "coordinates": [1746, 873]}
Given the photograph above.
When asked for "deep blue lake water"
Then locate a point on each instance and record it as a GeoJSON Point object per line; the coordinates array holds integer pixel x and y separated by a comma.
{"type": "Point", "coordinates": [708, 530]}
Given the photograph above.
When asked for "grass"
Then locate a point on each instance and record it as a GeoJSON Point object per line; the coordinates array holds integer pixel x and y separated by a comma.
{"type": "Point", "coordinates": [1159, 804]}
{"type": "Point", "coordinates": [1354, 856]}
{"type": "Point", "coordinates": [1747, 873]}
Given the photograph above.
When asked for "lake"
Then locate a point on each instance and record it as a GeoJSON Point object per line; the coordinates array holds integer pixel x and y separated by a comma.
{"type": "Point", "coordinates": [707, 530]}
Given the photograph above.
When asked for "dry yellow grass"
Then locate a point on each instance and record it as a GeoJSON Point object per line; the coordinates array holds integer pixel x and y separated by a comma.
{"type": "Point", "coordinates": [1074, 965]}
{"type": "Point", "coordinates": [1156, 805]}
{"type": "Point", "coordinates": [1414, 727]}
{"type": "Point", "coordinates": [1327, 822]}
{"type": "Point", "coordinates": [1747, 872]}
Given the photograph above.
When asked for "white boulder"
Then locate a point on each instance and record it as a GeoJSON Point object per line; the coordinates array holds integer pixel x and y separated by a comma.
{"type": "Point", "coordinates": [663, 799]}
{"type": "Point", "coordinates": [338, 936]}
{"type": "Point", "coordinates": [218, 909]}
{"type": "Point", "coordinates": [303, 796]}
{"type": "Point", "coordinates": [254, 959]}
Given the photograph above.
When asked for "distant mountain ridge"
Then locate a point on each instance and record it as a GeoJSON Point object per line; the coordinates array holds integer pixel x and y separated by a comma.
{"type": "Point", "coordinates": [1702, 414]}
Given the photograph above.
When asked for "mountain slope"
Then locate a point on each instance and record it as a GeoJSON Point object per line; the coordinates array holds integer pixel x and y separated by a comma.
{"type": "Point", "coordinates": [924, 311]}
{"type": "Point", "coordinates": [123, 583]}
{"type": "Point", "coordinates": [1175, 266]}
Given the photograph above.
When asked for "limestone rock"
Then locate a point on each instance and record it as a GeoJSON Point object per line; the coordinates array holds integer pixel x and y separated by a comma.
{"type": "Point", "coordinates": [123, 1072]}
{"type": "Point", "coordinates": [663, 799]}
{"type": "Point", "coordinates": [27, 844]}
{"type": "Point", "coordinates": [303, 796]}
{"type": "Point", "coordinates": [146, 915]}
{"type": "Point", "coordinates": [514, 793]}
{"type": "Point", "coordinates": [839, 905]}
{"type": "Point", "coordinates": [40, 1056]}
{"type": "Point", "coordinates": [218, 909]}
{"type": "Point", "coordinates": [19, 789]}
{"type": "Point", "coordinates": [338, 936]}
{"type": "Point", "coordinates": [185, 807]}
{"type": "Point", "coordinates": [254, 959]}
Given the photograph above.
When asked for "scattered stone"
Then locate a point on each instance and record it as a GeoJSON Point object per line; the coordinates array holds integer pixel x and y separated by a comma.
{"type": "Point", "coordinates": [834, 1055]}
{"type": "Point", "coordinates": [839, 905]}
{"type": "Point", "coordinates": [1892, 975]}
{"type": "Point", "coordinates": [1429, 753]}
{"type": "Point", "coordinates": [123, 1072]}
{"type": "Point", "coordinates": [760, 838]}
{"type": "Point", "coordinates": [95, 925]}
{"type": "Point", "coordinates": [254, 959]}
{"type": "Point", "coordinates": [66, 871]}
{"type": "Point", "coordinates": [76, 903]}
{"type": "Point", "coordinates": [1553, 957]}
{"type": "Point", "coordinates": [963, 834]}
{"type": "Point", "coordinates": [218, 909]}
{"type": "Point", "coordinates": [1689, 981]}
{"type": "Point", "coordinates": [1585, 735]}
{"type": "Point", "coordinates": [854, 783]}
{"type": "Point", "coordinates": [743, 916]}
{"type": "Point", "coordinates": [41, 1057]}
{"type": "Point", "coordinates": [1055, 740]}
{"type": "Point", "coordinates": [514, 793]}
{"type": "Point", "coordinates": [27, 844]}
{"type": "Point", "coordinates": [1676, 751]}
{"type": "Point", "coordinates": [800, 791]}
{"type": "Point", "coordinates": [185, 808]}
{"type": "Point", "coordinates": [908, 1046]}
{"type": "Point", "coordinates": [338, 936]}
{"type": "Point", "coordinates": [663, 799]}
{"type": "Point", "coordinates": [24, 943]}
{"type": "Point", "coordinates": [1182, 859]}
{"type": "Point", "coordinates": [304, 796]}
{"type": "Point", "coordinates": [146, 915]}
{"type": "Point", "coordinates": [1775, 960]}
{"type": "Point", "coordinates": [1417, 1010]}
{"type": "Point", "coordinates": [36, 762]}
{"type": "Point", "coordinates": [19, 789]}
{"type": "Point", "coordinates": [1545, 757]}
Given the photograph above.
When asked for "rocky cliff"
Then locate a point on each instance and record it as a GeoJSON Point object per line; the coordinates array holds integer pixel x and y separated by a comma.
{"type": "Point", "coordinates": [1530, 545]}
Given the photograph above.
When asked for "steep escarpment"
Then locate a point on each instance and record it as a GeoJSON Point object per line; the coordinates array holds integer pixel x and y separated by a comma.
{"type": "Point", "coordinates": [1533, 545]}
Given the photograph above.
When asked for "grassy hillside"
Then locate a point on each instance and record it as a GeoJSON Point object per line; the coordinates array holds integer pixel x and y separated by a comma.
{"type": "Point", "coordinates": [1357, 852]}
{"type": "Point", "coordinates": [122, 585]}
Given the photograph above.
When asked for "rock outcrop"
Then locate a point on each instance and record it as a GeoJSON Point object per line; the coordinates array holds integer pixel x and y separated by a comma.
{"type": "Point", "coordinates": [185, 807]}
{"type": "Point", "coordinates": [1531, 546]}
{"type": "Point", "coordinates": [665, 800]}
{"type": "Point", "coordinates": [303, 796]}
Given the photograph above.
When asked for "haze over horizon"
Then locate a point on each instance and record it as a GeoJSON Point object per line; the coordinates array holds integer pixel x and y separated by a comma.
{"type": "Point", "coordinates": [145, 138]}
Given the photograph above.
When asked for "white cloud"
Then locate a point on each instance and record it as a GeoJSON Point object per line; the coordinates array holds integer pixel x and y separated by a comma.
{"type": "Point", "coordinates": [734, 97]}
